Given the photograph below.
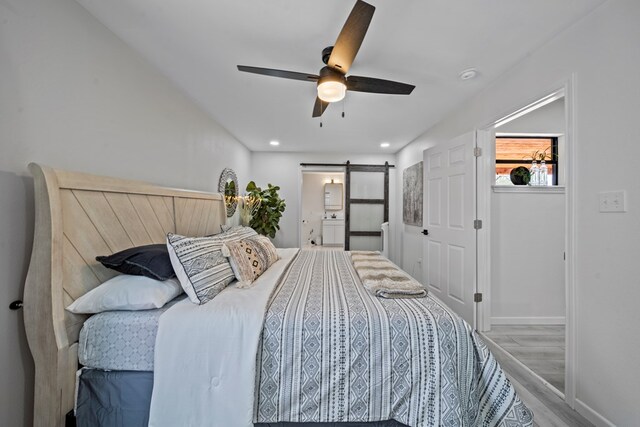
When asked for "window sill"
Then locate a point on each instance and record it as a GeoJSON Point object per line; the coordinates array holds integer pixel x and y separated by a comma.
{"type": "Point", "coordinates": [527, 189]}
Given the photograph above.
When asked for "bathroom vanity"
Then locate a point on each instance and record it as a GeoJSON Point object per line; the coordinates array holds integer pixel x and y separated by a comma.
{"type": "Point", "coordinates": [333, 232]}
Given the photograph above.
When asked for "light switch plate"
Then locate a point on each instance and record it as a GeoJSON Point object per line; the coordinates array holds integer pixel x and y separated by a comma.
{"type": "Point", "coordinates": [613, 201]}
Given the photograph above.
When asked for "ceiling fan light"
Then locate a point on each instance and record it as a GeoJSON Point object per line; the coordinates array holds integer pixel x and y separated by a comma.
{"type": "Point", "coordinates": [331, 91]}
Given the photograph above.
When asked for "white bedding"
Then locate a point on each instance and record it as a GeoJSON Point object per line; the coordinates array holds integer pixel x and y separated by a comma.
{"type": "Point", "coordinates": [205, 356]}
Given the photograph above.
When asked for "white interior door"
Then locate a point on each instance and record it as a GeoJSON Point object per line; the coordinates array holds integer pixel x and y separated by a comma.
{"type": "Point", "coordinates": [449, 206]}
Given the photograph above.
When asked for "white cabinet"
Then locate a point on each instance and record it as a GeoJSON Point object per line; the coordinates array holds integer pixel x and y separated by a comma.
{"type": "Point", "coordinates": [333, 232]}
{"type": "Point", "coordinates": [333, 197]}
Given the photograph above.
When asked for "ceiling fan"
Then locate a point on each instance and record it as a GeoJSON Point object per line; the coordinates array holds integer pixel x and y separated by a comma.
{"type": "Point", "coordinates": [332, 81]}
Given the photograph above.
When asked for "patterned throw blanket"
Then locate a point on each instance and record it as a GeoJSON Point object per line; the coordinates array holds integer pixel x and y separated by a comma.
{"type": "Point", "coordinates": [383, 278]}
{"type": "Point", "coordinates": [332, 352]}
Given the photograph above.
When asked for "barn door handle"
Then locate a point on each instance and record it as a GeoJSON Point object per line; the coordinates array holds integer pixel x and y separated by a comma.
{"type": "Point", "coordinates": [425, 232]}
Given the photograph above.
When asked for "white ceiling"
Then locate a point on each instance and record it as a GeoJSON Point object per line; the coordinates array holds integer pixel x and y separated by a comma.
{"type": "Point", "coordinates": [198, 43]}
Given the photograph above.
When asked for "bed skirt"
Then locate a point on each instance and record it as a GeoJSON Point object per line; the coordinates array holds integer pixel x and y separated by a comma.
{"type": "Point", "coordinates": [122, 399]}
{"type": "Point", "coordinates": [113, 398]}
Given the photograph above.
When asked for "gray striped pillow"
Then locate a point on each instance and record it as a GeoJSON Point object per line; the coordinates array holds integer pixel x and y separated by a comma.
{"type": "Point", "coordinates": [199, 264]}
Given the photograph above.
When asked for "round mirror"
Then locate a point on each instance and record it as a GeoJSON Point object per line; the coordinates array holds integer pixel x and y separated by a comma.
{"type": "Point", "coordinates": [228, 186]}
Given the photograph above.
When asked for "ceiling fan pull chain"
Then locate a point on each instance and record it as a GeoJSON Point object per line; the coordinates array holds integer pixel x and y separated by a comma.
{"type": "Point", "coordinates": [321, 123]}
{"type": "Point", "coordinates": [344, 101]}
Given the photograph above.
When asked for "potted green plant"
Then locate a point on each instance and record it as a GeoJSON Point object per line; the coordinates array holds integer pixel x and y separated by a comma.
{"type": "Point", "coordinates": [520, 176]}
{"type": "Point", "coordinates": [541, 155]}
{"type": "Point", "coordinates": [266, 217]}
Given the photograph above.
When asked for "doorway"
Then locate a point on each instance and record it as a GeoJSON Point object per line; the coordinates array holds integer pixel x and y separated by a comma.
{"type": "Point", "coordinates": [525, 252]}
{"type": "Point", "coordinates": [322, 209]}
{"type": "Point", "coordinates": [344, 206]}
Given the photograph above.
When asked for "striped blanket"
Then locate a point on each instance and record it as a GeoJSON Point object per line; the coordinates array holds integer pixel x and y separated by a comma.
{"type": "Point", "coordinates": [332, 352]}
{"type": "Point", "coordinates": [383, 278]}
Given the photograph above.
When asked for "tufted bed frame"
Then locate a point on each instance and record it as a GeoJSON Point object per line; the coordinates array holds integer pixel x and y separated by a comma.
{"type": "Point", "coordinates": [80, 216]}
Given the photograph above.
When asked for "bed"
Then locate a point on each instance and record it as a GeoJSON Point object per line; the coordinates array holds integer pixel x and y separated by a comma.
{"type": "Point", "coordinates": [313, 350]}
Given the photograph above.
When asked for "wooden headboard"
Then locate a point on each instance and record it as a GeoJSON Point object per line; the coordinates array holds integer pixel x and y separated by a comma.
{"type": "Point", "coordinates": [80, 216]}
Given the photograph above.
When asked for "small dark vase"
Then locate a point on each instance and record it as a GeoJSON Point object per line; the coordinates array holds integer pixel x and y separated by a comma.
{"type": "Point", "coordinates": [520, 176]}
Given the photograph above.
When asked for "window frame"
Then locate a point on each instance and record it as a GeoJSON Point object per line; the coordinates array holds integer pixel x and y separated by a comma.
{"type": "Point", "coordinates": [554, 154]}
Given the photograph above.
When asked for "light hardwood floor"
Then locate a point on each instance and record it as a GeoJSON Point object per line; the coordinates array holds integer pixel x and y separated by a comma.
{"type": "Point", "coordinates": [540, 348]}
{"type": "Point", "coordinates": [549, 409]}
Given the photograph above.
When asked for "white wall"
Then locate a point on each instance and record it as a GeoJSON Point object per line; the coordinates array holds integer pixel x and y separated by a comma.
{"type": "Point", "coordinates": [546, 119]}
{"type": "Point", "coordinates": [527, 265]}
{"type": "Point", "coordinates": [283, 169]}
{"type": "Point", "coordinates": [409, 239]}
{"type": "Point", "coordinates": [73, 96]}
{"type": "Point", "coordinates": [527, 239]}
{"type": "Point", "coordinates": [601, 50]}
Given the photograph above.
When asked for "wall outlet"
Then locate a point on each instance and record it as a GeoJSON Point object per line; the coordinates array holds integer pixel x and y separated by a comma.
{"type": "Point", "coordinates": [613, 201]}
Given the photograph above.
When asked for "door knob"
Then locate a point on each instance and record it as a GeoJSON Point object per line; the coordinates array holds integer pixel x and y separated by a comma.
{"type": "Point", "coordinates": [425, 232]}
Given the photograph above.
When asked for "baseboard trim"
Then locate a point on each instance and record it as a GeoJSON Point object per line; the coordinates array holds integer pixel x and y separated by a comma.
{"type": "Point", "coordinates": [528, 321]}
{"type": "Point", "coordinates": [591, 415]}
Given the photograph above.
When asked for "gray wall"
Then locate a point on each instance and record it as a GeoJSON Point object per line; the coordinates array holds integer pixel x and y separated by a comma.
{"type": "Point", "coordinates": [73, 96]}
{"type": "Point", "coordinates": [599, 51]}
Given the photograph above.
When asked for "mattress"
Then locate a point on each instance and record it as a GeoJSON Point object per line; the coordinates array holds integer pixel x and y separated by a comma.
{"type": "Point", "coordinates": [120, 340]}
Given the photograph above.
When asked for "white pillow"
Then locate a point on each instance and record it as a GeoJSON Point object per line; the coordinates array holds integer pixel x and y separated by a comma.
{"type": "Point", "coordinates": [127, 292]}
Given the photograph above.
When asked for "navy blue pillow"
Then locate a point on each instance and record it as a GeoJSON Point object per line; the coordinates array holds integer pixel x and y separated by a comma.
{"type": "Point", "coordinates": [151, 260]}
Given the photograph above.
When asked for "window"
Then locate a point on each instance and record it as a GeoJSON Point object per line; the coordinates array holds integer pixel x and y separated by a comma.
{"type": "Point", "coordinates": [514, 151]}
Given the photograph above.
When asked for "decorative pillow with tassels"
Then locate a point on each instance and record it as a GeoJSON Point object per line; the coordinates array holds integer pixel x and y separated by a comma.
{"type": "Point", "coordinates": [249, 258]}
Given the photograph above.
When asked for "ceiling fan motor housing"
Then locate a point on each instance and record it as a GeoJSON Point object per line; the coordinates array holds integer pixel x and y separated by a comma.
{"type": "Point", "coordinates": [330, 75]}
{"type": "Point", "coordinates": [326, 54]}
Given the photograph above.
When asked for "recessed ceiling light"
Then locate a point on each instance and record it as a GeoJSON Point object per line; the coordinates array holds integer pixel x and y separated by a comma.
{"type": "Point", "coordinates": [384, 145]}
{"type": "Point", "coordinates": [274, 143]}
{"type": "Point", "coordinates": [468, 74]}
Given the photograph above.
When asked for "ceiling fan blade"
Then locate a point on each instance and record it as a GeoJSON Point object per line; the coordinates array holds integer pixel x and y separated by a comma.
{"type": "Point", "coordinates": [319, 107]}
{"type": "Point", "coordinates": [279, 73]}
{"type": "Point", "coordinates": [369, 84]}
{"type": "Point", "coordinates": [351, 36]}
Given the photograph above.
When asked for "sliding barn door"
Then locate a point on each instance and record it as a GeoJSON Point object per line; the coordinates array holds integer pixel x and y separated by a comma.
{"type": "Point", "coordinates": [367, 205]}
